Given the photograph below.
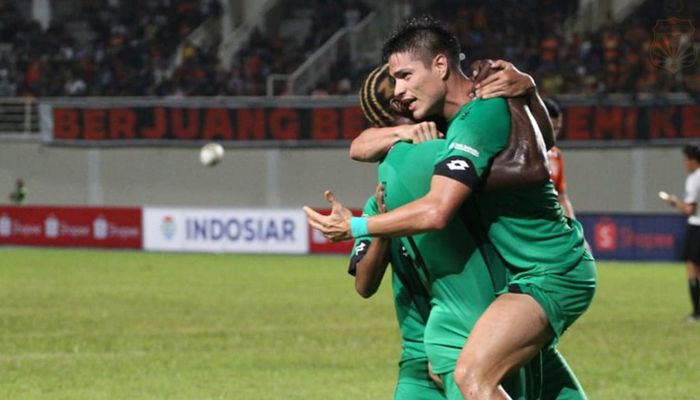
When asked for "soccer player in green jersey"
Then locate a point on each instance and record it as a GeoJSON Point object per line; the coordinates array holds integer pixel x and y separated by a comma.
{"type": "Point", "coordinates": [411, 302]}
{"type": "Point", "coordinates": [462, 274]}
{"type": "Point", "coordinates": [553, 276]}
{"type": "Point", "coordinates": [459, 278]}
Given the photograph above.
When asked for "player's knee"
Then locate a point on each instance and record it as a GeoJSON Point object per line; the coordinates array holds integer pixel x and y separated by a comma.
{"type": "Point", "coordinates": [468, 381]}
{"type": "Point", "coordinates": [472, 372]}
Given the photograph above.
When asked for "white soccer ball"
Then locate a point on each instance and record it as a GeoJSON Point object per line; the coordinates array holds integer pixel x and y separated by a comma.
{"type": "Point", "coordinates": [211, 154]}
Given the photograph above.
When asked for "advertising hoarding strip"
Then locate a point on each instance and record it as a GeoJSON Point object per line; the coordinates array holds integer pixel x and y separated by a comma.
{"type": "Point", "coordinates": [304, 123]}
{"type": "Point", "coordinates": [63, 226]}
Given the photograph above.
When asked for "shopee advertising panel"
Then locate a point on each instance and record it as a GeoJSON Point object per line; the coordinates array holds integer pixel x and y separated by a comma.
{"type": "Point", "coordinates": [225, 230]}
{"type": "Point", "coordinates": [635, 236]}
{"type": "Point", "coordinates": [113, 227]}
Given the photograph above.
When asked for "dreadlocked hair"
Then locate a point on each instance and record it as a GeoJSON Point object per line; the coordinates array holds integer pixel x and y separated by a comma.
{"type": "Point", "coordinates": [376, 97]}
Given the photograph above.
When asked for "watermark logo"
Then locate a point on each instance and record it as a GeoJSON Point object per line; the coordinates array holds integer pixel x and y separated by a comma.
{"type": "Point", "coordinates": [672, 48]}
{"type": "Point", "coordinates": [674, 5]}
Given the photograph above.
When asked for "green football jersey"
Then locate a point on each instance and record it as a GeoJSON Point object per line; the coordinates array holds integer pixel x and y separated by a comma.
{"type": "Point", "coordinates": [449, 261]}
{"type": "Point", "coordinates": [463, 274]}
{"type": "Point", "coordinates": [526, 225]}
{"type": "Point", "coordinates": [411, 299]}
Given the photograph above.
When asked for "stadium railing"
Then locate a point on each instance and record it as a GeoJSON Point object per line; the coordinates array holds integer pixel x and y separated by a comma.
{"type": "Point", "coordinates": [19, 119]}
{"type": "Point", "coordinates": [363, 39]}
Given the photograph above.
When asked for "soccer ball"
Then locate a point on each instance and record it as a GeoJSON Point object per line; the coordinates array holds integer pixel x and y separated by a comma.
{"type": "Point", "coordinates": [211, 154]}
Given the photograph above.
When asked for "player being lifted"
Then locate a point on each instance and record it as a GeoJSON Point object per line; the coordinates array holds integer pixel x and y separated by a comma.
{"type": "Point", "coordinates": [460, 270]}
{"type": "Point", "coordinates": [553, 277]}
{"type": "Point", "coordinates": [463, 271]}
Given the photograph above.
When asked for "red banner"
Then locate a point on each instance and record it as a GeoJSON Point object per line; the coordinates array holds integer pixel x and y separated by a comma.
{"type": "Point", "coordinates": [71, 227]}
{"type": "Point", "coordinates": [320, 245]}
{"type": "Point", "coordinates": [318, 122]}
{"type": "Point", "coordinates": [585, 123]}
{"type": "Point", "coordinates": [145, 124]}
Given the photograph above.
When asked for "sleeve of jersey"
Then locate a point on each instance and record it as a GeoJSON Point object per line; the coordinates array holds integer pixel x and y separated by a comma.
{"type": "Point", "coordinates": [692, 191]}
{"type": "Point", "coordinates": [360, 247]}
{"type": "Point", "coordinates": [475, 136]}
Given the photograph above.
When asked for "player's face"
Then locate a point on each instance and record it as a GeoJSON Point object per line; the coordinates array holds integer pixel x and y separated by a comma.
{"type": "Point", "coordinates": [419, 87]}
{"type": "Point", "coordinates": [690, 164]}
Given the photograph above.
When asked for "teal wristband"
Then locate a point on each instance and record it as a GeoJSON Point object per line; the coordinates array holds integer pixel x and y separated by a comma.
{"type": "Point", "coordinates": [358, 227]}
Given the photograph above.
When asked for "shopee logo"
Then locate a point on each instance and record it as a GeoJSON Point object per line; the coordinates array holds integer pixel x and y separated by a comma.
{"type": "Point", "coordinates": [605, 235]}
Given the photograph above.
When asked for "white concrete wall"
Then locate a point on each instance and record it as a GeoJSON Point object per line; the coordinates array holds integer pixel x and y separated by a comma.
{"type": "Point", "coordinates": [173, 176]}
{"type": "Point", "coordinates": [611, 180]}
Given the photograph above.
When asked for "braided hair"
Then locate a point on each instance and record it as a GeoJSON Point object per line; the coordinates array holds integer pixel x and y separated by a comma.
{"type": "Point", "coordinates": [376, 97]}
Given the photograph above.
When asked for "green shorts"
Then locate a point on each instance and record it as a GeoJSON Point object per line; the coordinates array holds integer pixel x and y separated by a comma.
{"type": "Point", "coordinates": [564, 295]}
{"type": "Point", "coordinates": [450, 386]}
{"type": "Point", "coordinates": [415, 382]}
{"type": "Point", "coordinates": [558, 381]}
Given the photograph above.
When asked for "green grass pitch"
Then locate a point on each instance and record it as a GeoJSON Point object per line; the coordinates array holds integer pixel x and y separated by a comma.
{"type": "Point", "coordinates": [129, 325]}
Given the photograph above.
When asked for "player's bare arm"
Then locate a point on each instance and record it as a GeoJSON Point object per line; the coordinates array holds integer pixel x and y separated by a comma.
{"type": "Point", "coordinates": [566, 205]}
{"type": "Point", "coordinates": [511, 82]}
{"type": "Point", "coordinates": [431, 212]}
{"type": "Point", "coordinates": [373, 143]}
{"type": "Point", "coordinates": [685, 208]}
{"type": "Point", "coordinates": [370, 268]}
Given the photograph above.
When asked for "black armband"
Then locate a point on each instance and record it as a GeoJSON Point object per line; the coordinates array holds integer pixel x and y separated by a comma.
{"type": "Point", "coordinates": [359, 252]}
{"type": "Point", "coordinates": [460, 169]}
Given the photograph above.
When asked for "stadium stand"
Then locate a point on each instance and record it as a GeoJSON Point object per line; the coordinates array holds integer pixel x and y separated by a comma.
{"type": "Point", "coordinates": [127, 47]}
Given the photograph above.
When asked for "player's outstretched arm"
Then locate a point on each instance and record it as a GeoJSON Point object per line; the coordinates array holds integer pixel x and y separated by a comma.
{"type": "Point", "coordinates": [373, 143]}
{"type": "Point", "coordinates": [431, 212]}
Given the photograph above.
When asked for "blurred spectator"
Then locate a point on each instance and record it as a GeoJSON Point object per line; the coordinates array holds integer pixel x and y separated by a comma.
{"type": "Point", "coordinates": [130, 46]}
{"type": "Point", "coordinates": [7, 87]}
{"type": "Point", "coordinates": [19, 195]}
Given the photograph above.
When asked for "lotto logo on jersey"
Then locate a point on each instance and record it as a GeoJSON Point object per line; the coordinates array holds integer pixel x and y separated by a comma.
{"type": "Point", "coordinates": [457, 165]}
{"type": "Point", "coordinates": [360, 248]}
{"type": "Point", "coordinates": [605, 235]}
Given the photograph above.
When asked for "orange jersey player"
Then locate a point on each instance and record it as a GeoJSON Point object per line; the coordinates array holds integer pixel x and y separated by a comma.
{"type": "Point", "coordinates": [556, 160]}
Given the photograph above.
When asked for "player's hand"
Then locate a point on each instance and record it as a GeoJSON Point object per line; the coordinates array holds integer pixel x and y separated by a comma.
{"type": "Point", "coordinates": [434, 377]}
{"type": "Point", "coordinates": [672, 200]}
{"type": "Point", "coordinates": [507, 82]}
{"type": "Point", "coordinates": [379, 196]}
{"type": "Point", "coordinates": [419, 132]}
{"type": "Point", "coordinates": [334, 226]}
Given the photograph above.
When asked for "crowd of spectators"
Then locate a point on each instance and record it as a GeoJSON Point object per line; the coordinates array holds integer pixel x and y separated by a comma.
{"type": "Point", "coordinates": [130, 45]}
{"type": "Point", "coordinates": [270, 53]}
{"type": "Point", "coordinates": [123, 49]}
{"type": "Point", "coordinates": [623, 57]}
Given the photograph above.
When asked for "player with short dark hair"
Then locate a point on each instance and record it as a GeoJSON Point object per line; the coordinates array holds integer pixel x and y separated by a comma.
{"type": "Point", "coordinates": [455, 273]}
{"type": "Point", "coordinates": [553, 276]}
{"type": "Point", "coordinates": [689, 207]}
{"type": "Point", "coordinates": [462, 272]}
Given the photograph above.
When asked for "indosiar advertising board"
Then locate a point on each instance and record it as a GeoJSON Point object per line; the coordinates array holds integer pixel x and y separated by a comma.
{"type": "Point", "coordinates": [225, 230]}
